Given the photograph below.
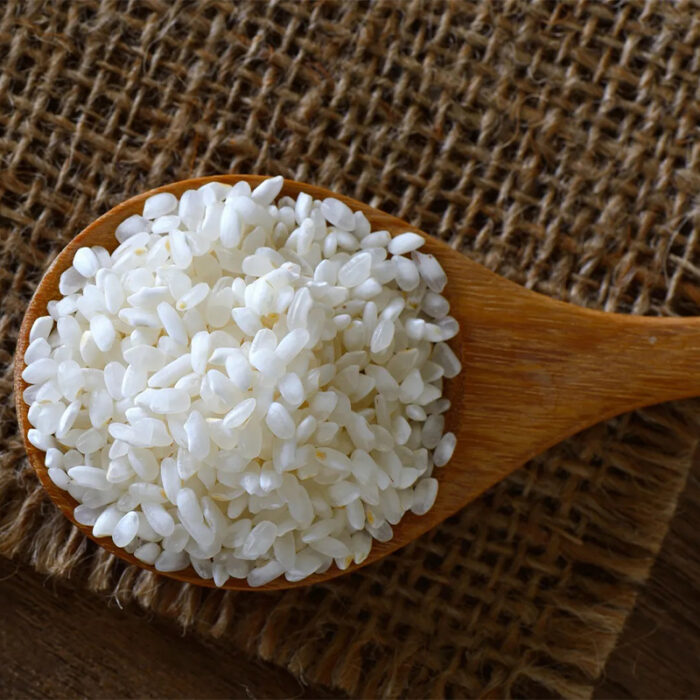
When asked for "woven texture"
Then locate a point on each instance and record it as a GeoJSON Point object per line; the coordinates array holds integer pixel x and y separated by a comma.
{"type": "Point", "coordinates": [556, 143]}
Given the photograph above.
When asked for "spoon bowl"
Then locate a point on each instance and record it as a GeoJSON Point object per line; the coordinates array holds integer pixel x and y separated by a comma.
{"type": "Point", "coordinates": [534, 371]}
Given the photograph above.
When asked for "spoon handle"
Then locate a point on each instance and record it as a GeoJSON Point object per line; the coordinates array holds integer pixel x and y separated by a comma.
{"type": "Point", "coordinates": [540, 370]}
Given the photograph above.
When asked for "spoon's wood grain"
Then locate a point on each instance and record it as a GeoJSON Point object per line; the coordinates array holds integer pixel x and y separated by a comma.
{"type": "Point", "coordinates": [535, 371]}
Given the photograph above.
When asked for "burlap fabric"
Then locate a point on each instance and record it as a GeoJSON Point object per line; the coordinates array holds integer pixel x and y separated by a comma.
{"type": "Point", "coordinates": [556, 143]}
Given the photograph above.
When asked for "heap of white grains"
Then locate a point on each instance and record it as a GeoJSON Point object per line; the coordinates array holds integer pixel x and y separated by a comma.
{"type": "Point", "coordinates": [248, 387]}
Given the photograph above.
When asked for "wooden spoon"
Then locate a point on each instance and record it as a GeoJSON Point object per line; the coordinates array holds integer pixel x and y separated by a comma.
{"type": "Point", "coordinates": [535, 371]}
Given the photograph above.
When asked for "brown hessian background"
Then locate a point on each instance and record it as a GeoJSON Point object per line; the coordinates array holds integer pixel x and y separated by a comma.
{"type": "Point", "coordinates": [554, 142]}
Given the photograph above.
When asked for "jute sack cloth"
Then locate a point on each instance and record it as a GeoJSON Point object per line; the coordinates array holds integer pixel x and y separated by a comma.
{"type": "Point", "coordinates": [554, 142]}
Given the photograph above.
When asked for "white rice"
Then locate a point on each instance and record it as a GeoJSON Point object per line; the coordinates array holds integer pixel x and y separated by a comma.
{"type": "Point", "coordinates": [251, 388]}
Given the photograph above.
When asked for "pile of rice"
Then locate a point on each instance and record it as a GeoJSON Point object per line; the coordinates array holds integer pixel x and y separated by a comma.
{"type": "Point", "coordinates": [253, 388]}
